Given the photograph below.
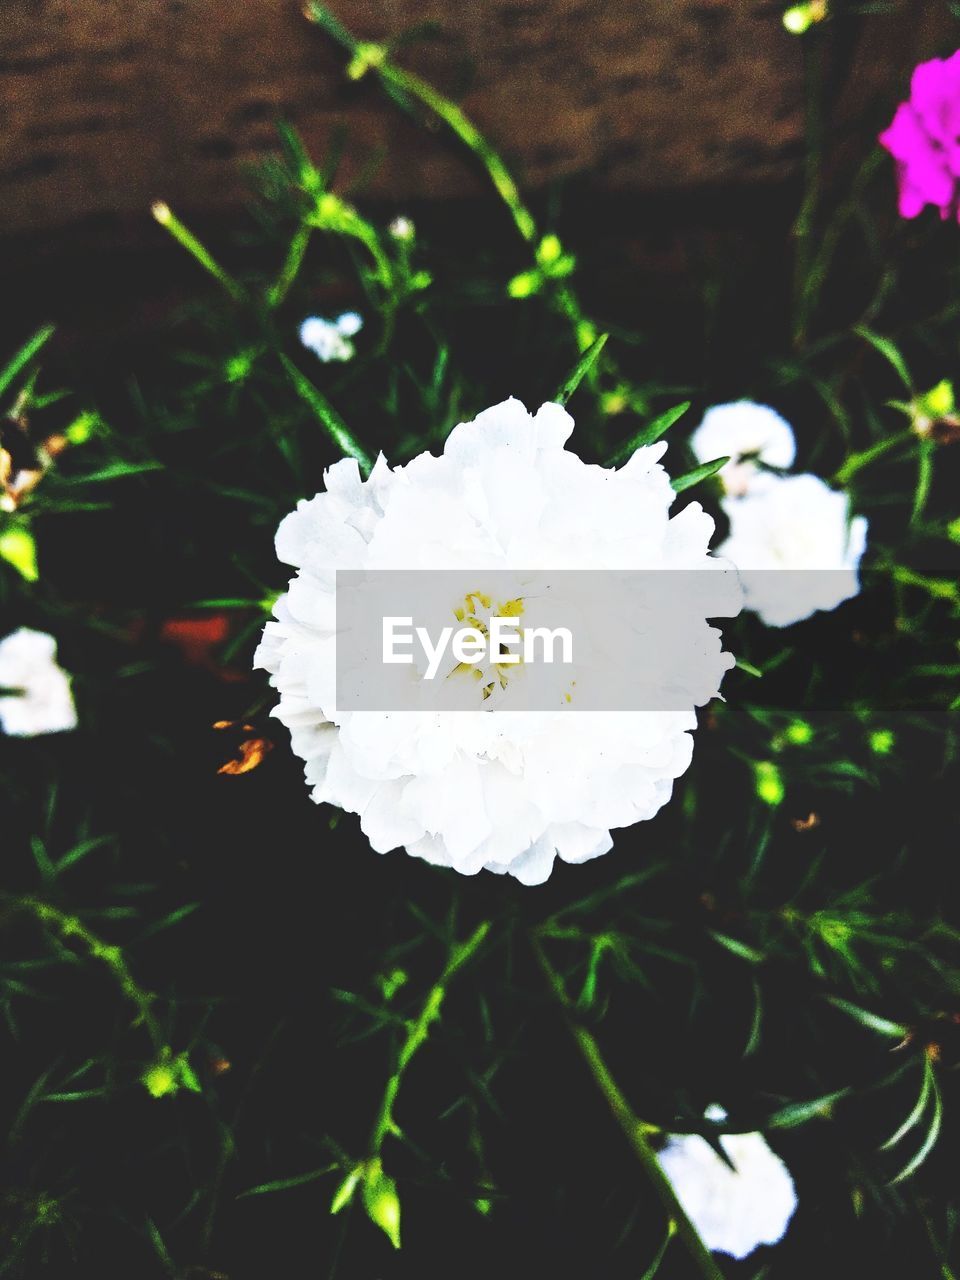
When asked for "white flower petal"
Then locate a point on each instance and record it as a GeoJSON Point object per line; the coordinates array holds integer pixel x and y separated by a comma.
{"type": "Point", "coordinates": [328, 339]}
{"type": "Point", "coordinates": [796, 548]}
{"type": "Point", "coordinates": [744, 431]}
{"type": "Point", "coordinates": [733, 1210]}
{"type": "Point", "coordinates": [349, 324]}
{"type": "Point", "coordinates": [742, 428]}
{"type": "Point", "coordinates": [43, 702]}
{"type": "Point", "coordinates": [507, 791]}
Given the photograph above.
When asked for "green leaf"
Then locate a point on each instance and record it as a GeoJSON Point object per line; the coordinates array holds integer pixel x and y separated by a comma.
{"type": "Point", "coordinates": [924, 479]}
{"type": "Point", "coordinates": [296, 155]}
{"type": "Point", "coordinates": [616, 890]}
{"type": "Point", "coordinates": [166, 1261]}
{"type": "Point", "coordinates": [797, 1113]}
{"type": "Point", "coordinates": [882, 1026]}
{"type": "Point", "coordinates": [79, 1095]}
{"type": "Point", "coordinates": [738, 948]}
{"type": "Point", "coordinates": [41, 858]}
{"type": "Point", "coordinates": [582, 368]}
{"type": "Point", "coordinates": [285, 1184]}
{"type": "Point", "coordinates": [916, 1115]}
{"type": "Point", "coordinates": [743, 665]}
{"type": "Point", "coordinates": [703, 472]}
{"type": "Point", "coordinates": [929, 1141]}
{"type": "Point", "coordinates": [756, 1021]}
{"type": "Point", "coordinates": [116, 471]}
{"type": "Point", "coordinates": [344, 1193]}
{"type": "Point", "coordinates": [889, 352]}
{"type": "Point", "coordinates": [651, 433]}
{"type": "Point", "coordinates": [24, 356]}
{"type": "Point", "coordinates": [180, 913]}
{"type": "Point", "coordinates": [188, 1077]}
{"type": "Point", "coordinates": [79, 851]}
{"type": "Point", "coordinates": [326, 415]}
{"type": "Point", "coordinates": [34, 1094]}
{"type": "Point", "coordinates": [655, 1265]}
{"type": "Point", "coordinates": [226, 602]}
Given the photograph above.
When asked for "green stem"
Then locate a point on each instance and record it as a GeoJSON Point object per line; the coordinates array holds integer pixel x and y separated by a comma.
{"type": "Point", "coordinates": [938, 588]}
{"type": "Point", "coordinates": [468, 133]}
{"type": "Point", "coordinates": [184, 236]}
{"type": "Point", "coordinates": [417, 1032]}
{"type": "Point", "coordinates": [857, 461]}
{"type": "Point", "coordinates": [291, 266]}
{"type": "Point", "coordinates": [810, 284]}
{"type": "Point", "coordinates": [407, 84]}
{"type": "Point", "coordinates": [334, 214]}
{"type": "Point", "coordinates": [634, 1129]}
{"type": "Point", "coordinates": [72, 927]}
{"type": "Point", "coordinates": [327, 415]}
{"type": "Point", "coordinates": [366, 233]}
{"type": "Point", "coordinates": [24, 356]}
{"type": "Point", "coordinates": [367, 57]}
{"type": "Point", "coordinates": [806, 218]}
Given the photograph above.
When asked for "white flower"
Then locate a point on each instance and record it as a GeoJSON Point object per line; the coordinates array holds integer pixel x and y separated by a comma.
{"type": "Point", "coordinates": [747, 433]}
{"type": "Point", "coordinates": [40, 701]}
{"type": "Point", "coordinates": [796, 547]}
{"type": "Point", "coordinates": [402, 228]}
{"type": "Point", "coordinates": [733, 1212]}
{"type": "Point", "coordinates": [330, 339]}
{"type": "Point", "coordinates": [502, 790]}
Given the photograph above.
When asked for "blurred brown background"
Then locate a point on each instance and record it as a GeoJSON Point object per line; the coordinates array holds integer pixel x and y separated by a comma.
{"type": "Point", "coordinates": [107, 105]}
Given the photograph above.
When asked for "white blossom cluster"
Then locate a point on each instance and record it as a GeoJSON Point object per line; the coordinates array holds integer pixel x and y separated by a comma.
{"type": "Point", "coordinates": [330, 340]}
{"type": "Point", "coordinates": [792, 536]}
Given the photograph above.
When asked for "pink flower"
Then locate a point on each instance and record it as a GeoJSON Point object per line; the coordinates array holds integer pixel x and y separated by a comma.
{"type": "Point", "coordinates": [924, 139]}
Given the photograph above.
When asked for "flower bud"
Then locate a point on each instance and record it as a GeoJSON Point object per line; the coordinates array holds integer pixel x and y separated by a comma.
{"type": "Point", "coordinates": [402, 229]}
{"type": "Point", "coordinates": [768, 782]}
{"type": "Point", "coordinates": [932, 415]}
{"type": "Point", "coordinates": [799, 18]}
{"type": "Point", "coordinates": [81, 429]}
{"type": "Point", "coordinates": [549, 250]}
{"type": "Point", "coordinates": [882, 741]}
{"type": "Point", "coordinates": [366, 57]}
{"type": "Point", "coordinates": [18, 548]}
{"type": "Point", "coordinates": [525, 284]}
{"type": "Point", "coordinates": [168, 1075]}
{"type": "Point", "coordinates": [160, 1080]}
{"type": "Point", "coordinates": [390, 983]}
{"type": "Point", "coordinates": [237, 368]}
{"type": "Point", "coordinates": [381, 1201]}
{"type": "Point", "coordinates": [614, 402]}
{"type": "Point", "coordinates": [586, 334]}
{"type": "Point", "coordinates": [799, 733]}
{"type": "Point", "coordinates": [939, 401]}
